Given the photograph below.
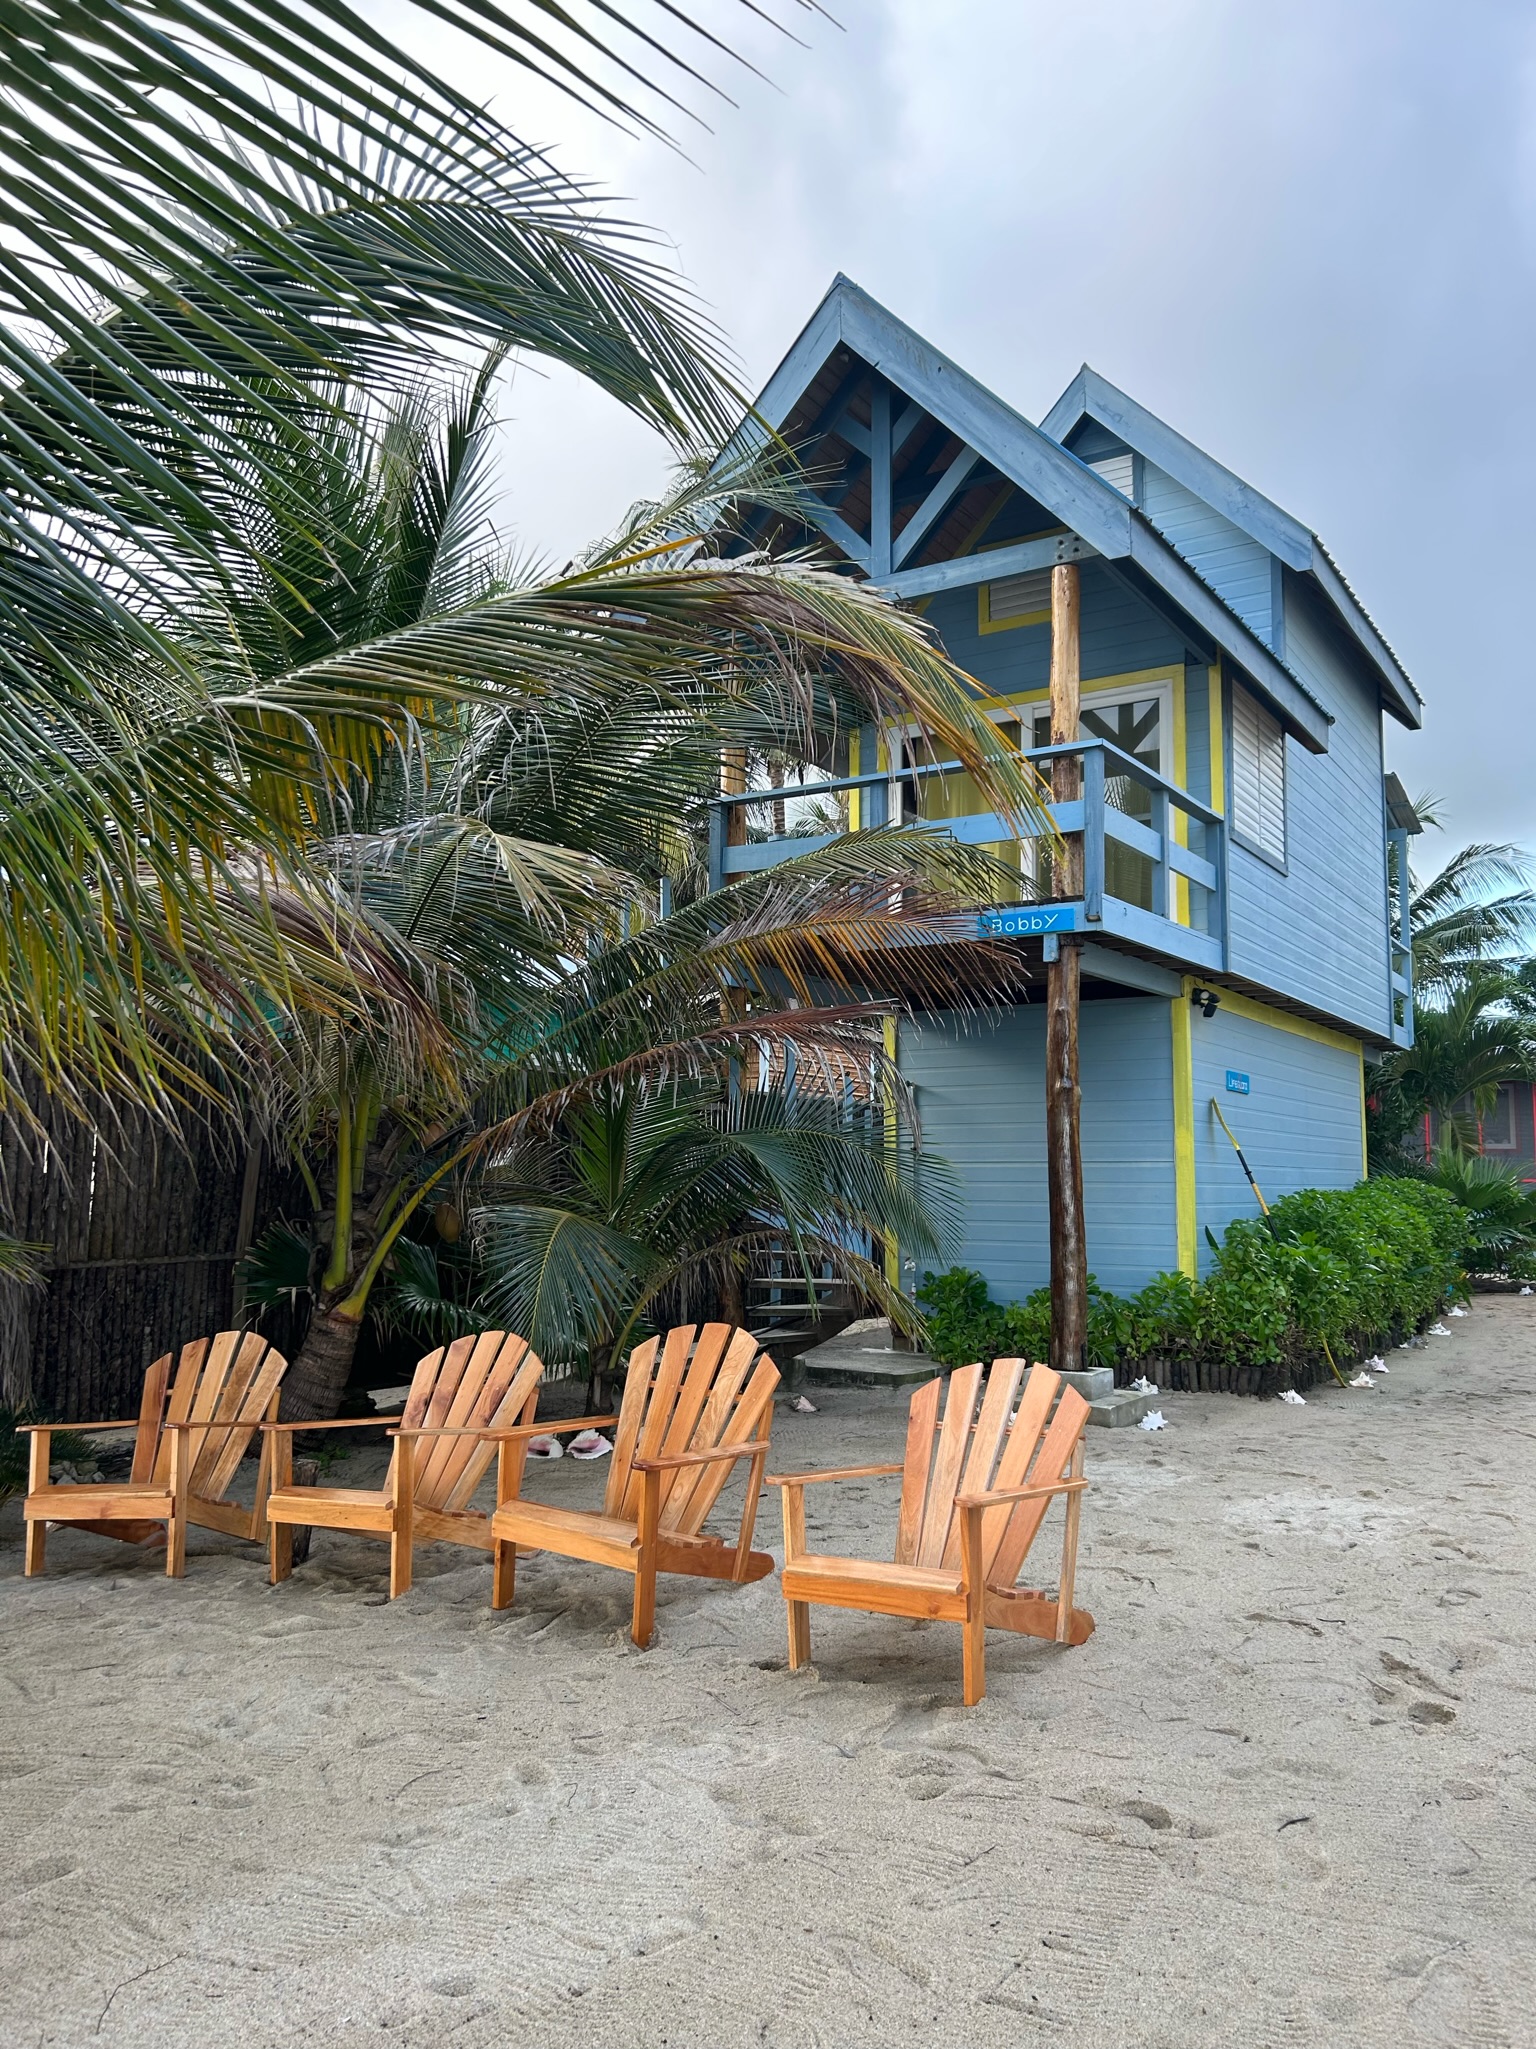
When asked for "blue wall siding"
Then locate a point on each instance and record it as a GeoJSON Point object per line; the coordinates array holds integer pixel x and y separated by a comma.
{"type": "Point", "coordinates": [1235, 565]}
{"type": "Point", "coordinates": [1319, 932]}
{"type": "Point", "coordinates": [981, 1098]}
{"type": "Point", "coordinates": [1300, 1127]}
{"type": "Point", "coordinates": [1120, 633]}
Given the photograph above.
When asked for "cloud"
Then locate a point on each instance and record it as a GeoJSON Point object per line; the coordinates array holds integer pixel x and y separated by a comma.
{"type": "Point", "coordinates": [1305, 235]}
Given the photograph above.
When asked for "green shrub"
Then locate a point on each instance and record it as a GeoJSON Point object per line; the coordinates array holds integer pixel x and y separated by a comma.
{"type": "Point", "coordinates": [1332, 1273]}
{"type": "Point", "coordinates": [964, 1323]}
{"type": "Point", "coordinates": [1498, 1210]}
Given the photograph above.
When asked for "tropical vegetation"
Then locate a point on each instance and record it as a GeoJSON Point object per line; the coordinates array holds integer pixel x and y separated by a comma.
{"type": "Point", "coordinates": [1472, 931]}
{"type": "Point", "coordinates": [217, 225]}
{"type": "Point", "coordinates": [1329, 1276]}
{"type": "Point", "coordinates": [318, 806]}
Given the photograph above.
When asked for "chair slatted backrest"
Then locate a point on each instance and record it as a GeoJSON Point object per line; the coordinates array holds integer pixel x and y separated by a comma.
{"type": "Point", "coordinates": [955, 1456]}
{"type": "Point", "coordinates": [485, 1382]}
{"type": "Point", "coordinates": [690, 1391]}
{"type": "Point", "coordinates": [227, 1383]}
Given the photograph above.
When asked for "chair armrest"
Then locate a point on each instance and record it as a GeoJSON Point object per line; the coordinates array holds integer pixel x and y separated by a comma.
{"type": "Point", "coordinates": [338, 1423]}
{"type": "Point", "coordinates": [833, 1473]}
{"type": "Point", "coordinates": [1002, 1494]}
{"type": "Point", "coordinates": [27, 1429]}
{"type": "Point", "coordinates": [667, 1462]}
{"type": "Point", "coordinates": [511, 1432]}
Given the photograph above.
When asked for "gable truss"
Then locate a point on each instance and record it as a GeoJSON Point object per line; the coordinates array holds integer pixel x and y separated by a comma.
{"type": "Point", "coordinates": [855, 359]}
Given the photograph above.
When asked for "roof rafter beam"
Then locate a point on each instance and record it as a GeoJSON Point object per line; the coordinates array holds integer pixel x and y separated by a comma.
{"type": "Point", "coordinates": [973, 569]}
{"type": "Point", "coordinates": [853, 431]}
{"type": "Point", "coordinates": [836, 528]}
{"type": "Point", "coordinates": [904, 426]}
{"type": "Point", "coordinates": [947, 488]}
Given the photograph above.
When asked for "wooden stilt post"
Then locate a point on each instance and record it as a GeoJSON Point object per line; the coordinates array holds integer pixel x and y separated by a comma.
{"type": "Point", "coordinates": [733, 783]}
{"type": "Point", "coordinates": [1063, 1134]}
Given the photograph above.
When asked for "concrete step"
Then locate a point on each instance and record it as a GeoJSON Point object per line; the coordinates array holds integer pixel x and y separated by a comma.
{"type": "Point", "coordinates": [1121, 1407]}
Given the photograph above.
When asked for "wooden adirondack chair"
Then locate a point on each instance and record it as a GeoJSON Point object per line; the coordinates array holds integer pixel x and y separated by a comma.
{"type": "Point", "coordinates": [199, 1411]}
{"type": "Point", "coordinates": [457, 1392]}
{"type": "Point", "coordinates": [972, 1500]}
{"type": "Point", "coordinates": [690, 1411]}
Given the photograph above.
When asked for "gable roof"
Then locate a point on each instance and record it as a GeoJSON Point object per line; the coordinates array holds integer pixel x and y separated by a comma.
{"type": "Point", "coordinates": [1092, 397]}
{"type": "Point", "coordinates": [1036, 463]}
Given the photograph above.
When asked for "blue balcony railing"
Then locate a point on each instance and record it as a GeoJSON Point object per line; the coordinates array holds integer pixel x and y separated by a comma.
{"type": "Point", "coordinates": [1154, 857]}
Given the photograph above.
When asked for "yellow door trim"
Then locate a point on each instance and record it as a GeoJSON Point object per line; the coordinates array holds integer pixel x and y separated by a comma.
{"type": "Point", "coordinates": [1184, 1132]}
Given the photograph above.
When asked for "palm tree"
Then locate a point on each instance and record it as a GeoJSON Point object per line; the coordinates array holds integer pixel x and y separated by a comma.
{"type": "Point", "coordinates": [1472, 926]}
{"type": "Point", "coordinates": [484, 885]}
{"type": "Point", "coordinates": [1478, 911]}
{"type": "Point", "coordinates": [219, 728]}
{"type": "Point", "coordinates": [1465, 1050]}
{"type": "Point", "coordinates": [647, 1196]}
{"type": "Point", "coordinates": [1499, 1210]}
{"type": "Point", "coordinates": [218, 222]}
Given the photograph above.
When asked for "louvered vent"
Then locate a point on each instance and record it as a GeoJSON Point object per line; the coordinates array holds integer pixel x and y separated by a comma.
{"type": "Point", "coordinates": [1118, 470]}
{"type": "Point", "coordinates": [1258, 776]}
{"type": "Point", "coordinates": [1013, 596]}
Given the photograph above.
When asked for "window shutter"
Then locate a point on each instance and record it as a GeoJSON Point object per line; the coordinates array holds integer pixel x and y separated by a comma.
{"type": "Point", "coordinates": [1118, 470]}
{"type": "Point", "coordinates": [1258, 776]}
{"type": "Point", "coordinates": [1012, 596]}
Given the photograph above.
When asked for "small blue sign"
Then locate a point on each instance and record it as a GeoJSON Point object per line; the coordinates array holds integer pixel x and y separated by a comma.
{"type": "Point", "coordinates": [1027, 920]}
{"type": "Point", "coordinates": [1238, 1084]}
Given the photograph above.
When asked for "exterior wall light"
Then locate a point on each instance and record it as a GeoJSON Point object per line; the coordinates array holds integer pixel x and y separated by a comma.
{"type": "Point", "coordinates": [1206, 1001]}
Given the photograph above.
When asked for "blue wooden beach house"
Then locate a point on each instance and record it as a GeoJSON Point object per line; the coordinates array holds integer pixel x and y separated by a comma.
{"type": "Point", "coordinates": [1245, 939]}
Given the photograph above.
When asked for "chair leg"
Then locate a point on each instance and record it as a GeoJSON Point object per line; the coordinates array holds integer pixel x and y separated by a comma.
{"type": "Point", "coordinates": [644, 1623]}
{"type": "Point", "coordinates": [37, 1478]}
{"type": "Point", "coordinates": [643, 1626]}
{"type": "Point", "coordinates": [799, 1634]}
{"type": "Point", "coordinates": [974, 1657]}
{"type": "Point", "coordinates": [176, 1522]}
{"type": "Point", "coordinates": [1069, 1551]}
{"type": "Point", "coordinates": [401, 1559]}
{"type": "Point", "coordinates": [280, 1551]}
{"type": "Point", "coordinates": [503, 1573]}
{"type": "Point", "coordinates": [974, 1652]}
{"type": "Point", "coordinates": [792, 1502]}
{"type": "Point", "coordinates": [403, 1532]}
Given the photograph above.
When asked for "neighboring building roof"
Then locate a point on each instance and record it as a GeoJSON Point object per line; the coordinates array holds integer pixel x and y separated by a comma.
{"type": "Point", "coordinates": [1037, 463]}
{"type": "Point", "coordinates": [1401, 815]}
{"type": "Point", "coordinates": [1092, 397]}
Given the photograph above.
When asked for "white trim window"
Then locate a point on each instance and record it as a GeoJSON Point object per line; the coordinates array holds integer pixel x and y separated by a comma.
{"type": "Point", "coordinates": [1258, 777]}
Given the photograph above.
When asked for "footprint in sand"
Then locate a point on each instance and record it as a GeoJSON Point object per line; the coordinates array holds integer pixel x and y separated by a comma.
{"type": "Point", "coordinates": [44, 1872]}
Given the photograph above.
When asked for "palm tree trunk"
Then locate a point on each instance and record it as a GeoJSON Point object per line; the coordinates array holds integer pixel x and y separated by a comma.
{"type": "Point", "coordinates": [314, 1383]}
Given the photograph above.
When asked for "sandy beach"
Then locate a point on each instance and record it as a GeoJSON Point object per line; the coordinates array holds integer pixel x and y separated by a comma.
{"type": "Point", "coordinates": [1285, 1795]}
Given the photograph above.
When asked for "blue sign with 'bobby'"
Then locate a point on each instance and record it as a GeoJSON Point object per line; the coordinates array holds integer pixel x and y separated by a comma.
{"type": "Point", "coordinates": [1026, 921]}
{"type": "Point", "coordinates": [1238, 1084]}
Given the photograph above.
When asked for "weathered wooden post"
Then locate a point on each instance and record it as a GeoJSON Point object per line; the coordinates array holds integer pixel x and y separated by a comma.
{"type": "Point", "coordinates": [1063, 986]}
{"type": "Point", "coordinates": [733, 783]}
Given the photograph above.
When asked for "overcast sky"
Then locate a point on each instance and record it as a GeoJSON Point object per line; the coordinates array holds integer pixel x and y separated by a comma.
{"type": "Point", "coordinates": [1303, 233]}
